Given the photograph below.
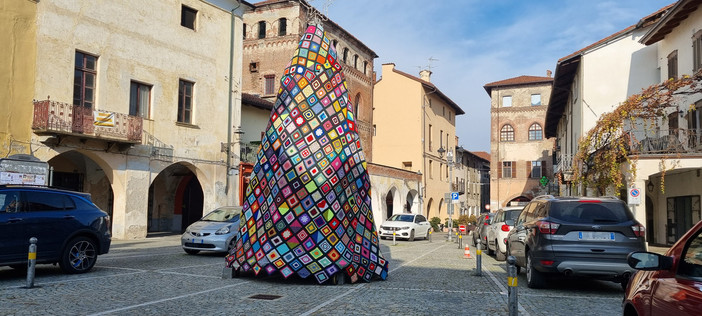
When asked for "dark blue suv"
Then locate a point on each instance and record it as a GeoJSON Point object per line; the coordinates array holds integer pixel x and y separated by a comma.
{"type": "Point", "coordinates": [71, 230]}
{"type": "Point", "coordinates": [575, 236]}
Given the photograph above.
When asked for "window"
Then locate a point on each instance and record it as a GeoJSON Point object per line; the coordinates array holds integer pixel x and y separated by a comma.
{"type": "Point", "coordinates": [506, 101]}
{"type": "Point", "coordinates": [673, 65]}
{"type": "Point", "coordinates": [355, 61]}
{"type": "Point", "coordinates": [187, 17]}
{"type": "Point", "coordinates": [441, 138]}
{"type": "Point", "coordinates": [334, 43]}
{"type": "Point", "coordinates": [44, 201]}
{"type": "Point", "coordinates": [697, 51]}
{"type": "Point", "coordinates": [535, 132]}
{"type": "Point", "coordinates": [691, 265]}
{"type": "Point", "coordinates": [139, 99]}
{"type": "Point", "coordinates": [535, 99]}
{"type": "Point", "coordinates": [346, 54]}
{"type": "Point", "coordinates": [10, 202]}
{"type": "Point", "coordinates": [534, 169]}
{"type": "Point", "coordinates": [282, 27]}
{"type": "Point", "coordinates": [507, 169]}
{"type": "Point", "coordinates": [507, 133]}
{"type": "Point", "coordinates": [269, 84]}
{"type": "Point", "coordinates": [430, 135]}
{"type": "Point", "coordinates": [243, 32]}
{"type": "Point", "coordinates": [262, 29]}
{"type": "Point", "coordinates": [185, 101]}
{"type": "Point", "coordinates": [431, 169]}
{"type": "Point", "coordinates": [365, 68]}
{"type": "Point", "coordinates": [84, 80]}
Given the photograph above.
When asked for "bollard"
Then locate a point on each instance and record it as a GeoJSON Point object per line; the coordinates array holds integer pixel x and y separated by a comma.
{"type": "Point", "coordinates": [478, 261]}
{"type": "Point", "coordinates": [430, 235]}
{"type": "Point", "coordinates": [456, 238]}
{"type": "Point", "coordinates": [31, 261]}
{"type": "Point", "coordinates": [460, 241]}
{"type": "Point", "coordinates": [512, 286]}
{"type": "Point", "coordinates": [394, 242]}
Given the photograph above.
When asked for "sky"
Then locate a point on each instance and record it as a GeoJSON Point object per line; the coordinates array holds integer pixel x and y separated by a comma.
{"type": "Point", "coordinates": [469, 43]}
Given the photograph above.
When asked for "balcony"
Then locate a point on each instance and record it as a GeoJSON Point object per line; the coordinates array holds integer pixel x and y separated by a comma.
{"type": "Point", "coordinates": [669, 141]}
{"type": "Point", "coordinates": [459, 187]}
{"type": "Point", "coordinates": [58, 118]}
{"type": "Point", "coordinates": [564, 164]}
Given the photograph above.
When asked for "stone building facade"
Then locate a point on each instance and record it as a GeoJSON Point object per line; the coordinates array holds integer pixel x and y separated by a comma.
{"type": "Point", "coordinates": [521, 157]}
{"type": "Point", "coordinates": [128, 101]}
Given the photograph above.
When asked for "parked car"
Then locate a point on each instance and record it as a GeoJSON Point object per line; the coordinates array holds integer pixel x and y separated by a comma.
{"type": "Point", "coordinates": [405, 226]}
{"type": "Point", "coordinates": [498, 229]}
{"type": "Point", "coordinates": [480, 231]}
{"type": "Point", "coordinates": [70, 229]}
{"type": "Point", "coordinates": [217, 231]}
{"type": "Point", "coordinates": [669, 284]}
{"type": "Point", "coordinates": [575, 236]}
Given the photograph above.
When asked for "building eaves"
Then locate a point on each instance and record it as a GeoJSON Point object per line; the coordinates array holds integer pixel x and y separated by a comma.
{"type": "Point", "coordinates": [429, 85]}
{"type": "Point", "coordinates": [677, 13]}
{"type": "Point", "coordinates": [567, 67]}
{"type": "Point", "coordinates": [256, 101]}
{"type": "Point", "coordinates": [516, 81]}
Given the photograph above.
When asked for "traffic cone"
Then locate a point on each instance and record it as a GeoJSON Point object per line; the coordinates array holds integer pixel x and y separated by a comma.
{"type": "Point", "coordinates": [466, 253]}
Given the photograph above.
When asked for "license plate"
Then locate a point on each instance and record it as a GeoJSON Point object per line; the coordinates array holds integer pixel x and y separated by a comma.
{"type": "Point", "coordinates": [595, 236]}
{"type": "Point", "coordinates": [197, 241]}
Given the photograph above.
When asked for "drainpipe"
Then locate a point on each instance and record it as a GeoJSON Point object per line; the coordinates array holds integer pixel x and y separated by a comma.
{"type": "Point", "coordinates": [231, 79]}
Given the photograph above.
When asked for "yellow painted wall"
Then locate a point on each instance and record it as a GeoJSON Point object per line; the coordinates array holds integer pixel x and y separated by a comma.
{"type": "Point", "coordinates": [17, 72]}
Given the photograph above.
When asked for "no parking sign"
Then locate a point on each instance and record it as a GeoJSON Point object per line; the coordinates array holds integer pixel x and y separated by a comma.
{"type": "Point", "coordinates": [634, 197]}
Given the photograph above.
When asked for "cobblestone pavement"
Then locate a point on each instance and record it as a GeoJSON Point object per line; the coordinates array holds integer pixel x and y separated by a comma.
{"type": "Point", "coordinates": [155, 277]}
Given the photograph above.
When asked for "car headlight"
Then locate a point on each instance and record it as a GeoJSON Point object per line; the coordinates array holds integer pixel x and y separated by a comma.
{"type": "Point", "coordinates": [405, 228]}
{"type": "Point", "coordinates": [223, 230]}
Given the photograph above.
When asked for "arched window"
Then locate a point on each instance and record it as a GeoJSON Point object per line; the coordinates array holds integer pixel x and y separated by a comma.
{"type": "Point", "coordinates": [346, 54]}
{"type": "Point", "coordinates": [365, 68]}
{"type": "Point", "coordinates": [535, 132]}
{"type": "Point", "coordinates": [244, 32]}
{"type": "Point", "coordinates": [282, 26]}
{"type": "Point", "coordinates": [507, 133]}
{"type": "Point", "coordinates": [261, 29]}
{"type": "Point", "coordinates": [355, 61]}
{"type": "Point", "coordinates": [334, 43]}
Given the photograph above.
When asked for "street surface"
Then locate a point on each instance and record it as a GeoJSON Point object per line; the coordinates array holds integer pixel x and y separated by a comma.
{"type": "Point", "coordinates": [155, 277]}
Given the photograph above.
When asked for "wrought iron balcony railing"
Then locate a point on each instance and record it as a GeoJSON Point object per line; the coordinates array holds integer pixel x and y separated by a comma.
{"type": "Point", "coordinates": [248, 152]}
{"type": "Point", "coordinates": [52, 117]}
{"type": "Point", "coordinates": [667, 141]}
{"type": "Point", "coordinates": [564, 163]}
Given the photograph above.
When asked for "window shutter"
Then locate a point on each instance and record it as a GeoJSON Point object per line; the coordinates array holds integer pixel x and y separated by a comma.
{"type": "Point", "coordinates": [514, 169]}
{"type": "Point", "coordinates": [499, 170]}
{"type": "Point", "coordinates": [528, 169]}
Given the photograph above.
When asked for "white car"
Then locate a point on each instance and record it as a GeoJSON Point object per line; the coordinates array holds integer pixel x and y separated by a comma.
{"type": "Point", "coordinates": [405, 226]}
{"type": "Point", "coordinates": [498, 230]}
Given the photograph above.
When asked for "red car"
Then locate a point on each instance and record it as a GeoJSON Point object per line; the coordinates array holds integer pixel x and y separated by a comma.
{"type": "Point", "coordinates": [669, 284]}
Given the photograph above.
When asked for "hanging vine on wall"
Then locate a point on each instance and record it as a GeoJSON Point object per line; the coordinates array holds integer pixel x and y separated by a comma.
{"type": "Point", "coordinates": [606, 146]}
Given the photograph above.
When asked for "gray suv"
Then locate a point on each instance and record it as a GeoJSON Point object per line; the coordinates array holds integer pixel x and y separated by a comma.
{"type": "Point", "coordinates": [575, 236]}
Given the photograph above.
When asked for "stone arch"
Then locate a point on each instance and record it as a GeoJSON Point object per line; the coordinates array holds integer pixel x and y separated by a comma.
{"type": "Point", "coordinates": [412, 202]}
{"type": "Point", "coordinates": [517, 200]}
{"type": "Point", "coordinates": [430, 214]}
{"type": "Point", "coordinates": [357, 106]}
{"type": "Point", "coordinates": [440, 207]}
{"type": "Point", "coordinates": [391, 203]}
{"type": "Point", "coordinates": [176, 198]}
{"type": "Point", "coordinates": [84, 171]}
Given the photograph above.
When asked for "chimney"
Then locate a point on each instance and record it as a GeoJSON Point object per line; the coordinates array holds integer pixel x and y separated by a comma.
{"type": "Point", "coordinates": [548, 73]}
{"type": "Point", "coordinates": [425, 75]}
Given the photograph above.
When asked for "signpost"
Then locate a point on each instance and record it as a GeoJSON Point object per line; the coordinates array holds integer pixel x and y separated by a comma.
{"type": "Point", "coordinates": [634, 196]}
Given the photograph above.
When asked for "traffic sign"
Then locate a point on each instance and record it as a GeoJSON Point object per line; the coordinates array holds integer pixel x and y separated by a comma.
{"type": "Point", "coordinates": [454, 196]}
{"type": "Point", "coordinates": [634, 197]}
{"type": "Point", "coordinates": [462, 228]}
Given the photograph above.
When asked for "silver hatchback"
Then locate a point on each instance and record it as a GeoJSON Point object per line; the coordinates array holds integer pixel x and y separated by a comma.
{"type": "Point", "coordinates": [216, 231]}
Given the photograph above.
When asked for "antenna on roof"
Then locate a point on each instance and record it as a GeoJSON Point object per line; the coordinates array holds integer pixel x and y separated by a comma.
{"type": "Point", "coordinates": [314, 16]}
{"type": "Point", "coordinates": [430, 60]}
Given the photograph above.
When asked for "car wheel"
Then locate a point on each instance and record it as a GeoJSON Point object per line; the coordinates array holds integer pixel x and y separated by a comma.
{"type": "Point", "coordinates": [191, 251]}
{"type": "Point", "coordinates": [411, 237]}
{"type": "Point", "coordinates": [499, 255]}
{"type": "Point", "coordinates": [426, 237]}
{"type": "Point", "coordinates": [535, 279]}
{"type": "Point", "coordinates": [79, 256]}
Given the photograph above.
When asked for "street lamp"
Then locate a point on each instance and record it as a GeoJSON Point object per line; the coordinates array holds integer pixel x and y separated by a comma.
{"type": "Point", "coordinates": [449, 206]}
{"type": "Point", "coordinates": [441, 151]}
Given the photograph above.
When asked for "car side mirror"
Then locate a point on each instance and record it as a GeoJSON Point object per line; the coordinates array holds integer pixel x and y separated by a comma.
{"type": "Point", "coordinates": [509, 222]}
{"type": "Point", "coordinates": [649, 261]}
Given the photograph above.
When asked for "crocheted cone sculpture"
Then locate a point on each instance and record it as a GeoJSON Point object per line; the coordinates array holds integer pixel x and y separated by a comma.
{"type": "Point", "coordinates": [307, 209]}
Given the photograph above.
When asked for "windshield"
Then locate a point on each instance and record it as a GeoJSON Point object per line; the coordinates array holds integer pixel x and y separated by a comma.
{"type": "Point", "coordinates": [223, 215]}
{"type": "Point", "coordinates": [512, 214]}
{"type": "Point", "coordinates": [402, 218]}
